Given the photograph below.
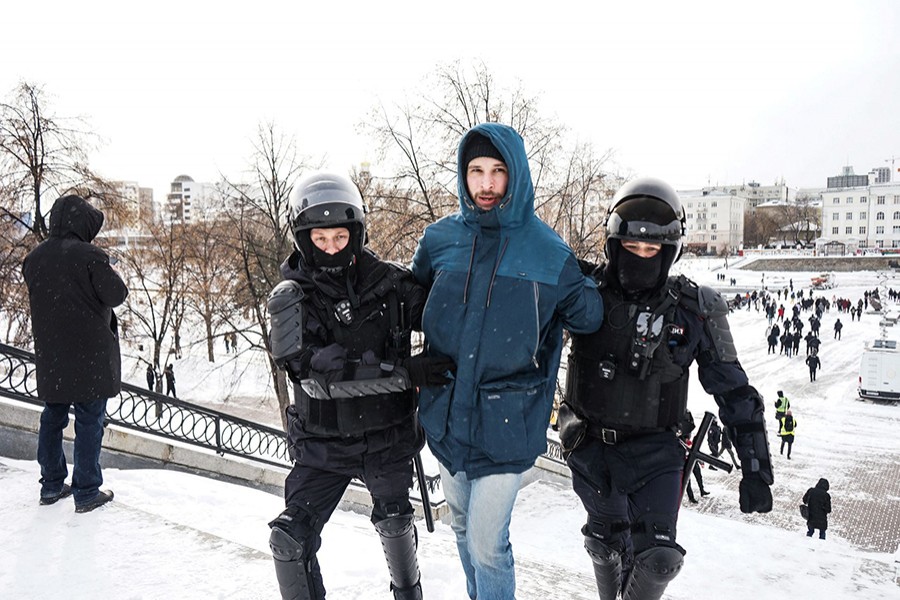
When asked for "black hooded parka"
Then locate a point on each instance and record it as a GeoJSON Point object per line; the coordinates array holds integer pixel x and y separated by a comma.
{"type": "Point", "coordinates": [72, 290]}
{"type": "Point", "coordinates": [819, 501]}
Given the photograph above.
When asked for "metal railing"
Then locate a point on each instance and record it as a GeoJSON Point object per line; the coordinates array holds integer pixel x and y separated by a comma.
{"type": "Point", "coordinates": [141, 410]}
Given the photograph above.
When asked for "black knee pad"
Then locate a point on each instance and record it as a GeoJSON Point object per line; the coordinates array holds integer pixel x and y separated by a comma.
{"type": "Point", "coordinates": [295, 533]}
{"type": "Point", "coordinates": [395, 526]}
{"type": "Point", "coordinates": [660, 564]}
{"type": "Point", "coordinates": [653, 570]}
{"type": "Point", "coordinates": [600, 553]}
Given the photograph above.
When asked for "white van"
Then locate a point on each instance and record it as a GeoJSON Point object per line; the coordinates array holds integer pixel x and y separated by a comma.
{"type": "Point", "coordinates": [879, 371]}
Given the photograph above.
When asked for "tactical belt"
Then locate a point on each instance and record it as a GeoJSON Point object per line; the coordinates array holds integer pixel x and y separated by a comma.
{"type": "Point", "coordinates": [612, 437]}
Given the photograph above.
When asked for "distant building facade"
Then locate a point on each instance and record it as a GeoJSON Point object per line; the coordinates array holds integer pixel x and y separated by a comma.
{"type": "Point", "coordinates": [848, 179]}
{"type": "Point", "coordinates": [864, 216]}
{"type": "Point", "coordinates": [136, 204]}
{"type": "Point", "coordinates": [714, 220]}
{"type": "Point", "coordinates": [755, 193]}
{"type": "Point", "coordinates": [189, 200]}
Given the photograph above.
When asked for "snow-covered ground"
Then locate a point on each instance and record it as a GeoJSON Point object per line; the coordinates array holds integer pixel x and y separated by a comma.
{"type": "Point", "coordinates": [171, 535]}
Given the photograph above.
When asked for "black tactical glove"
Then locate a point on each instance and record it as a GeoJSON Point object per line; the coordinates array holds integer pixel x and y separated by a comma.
{"type": "Point", "coordinates": [330, 358]}
{"type": "Point", "coordinates": [753, 451]}
{"type": "Point", "coordinates": [587, 267]}
{"type": "Point", "coordinates": [428, 370]}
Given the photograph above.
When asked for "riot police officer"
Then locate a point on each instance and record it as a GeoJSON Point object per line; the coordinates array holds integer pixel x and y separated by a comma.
{"type": "Point", "coordinates": [626, 392]}
{"type": "Point", "coordinates": [340, 325]}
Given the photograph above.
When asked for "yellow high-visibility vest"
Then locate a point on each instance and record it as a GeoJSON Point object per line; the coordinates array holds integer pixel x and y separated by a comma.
{"type": "Point", "coordinates": [783, 432]}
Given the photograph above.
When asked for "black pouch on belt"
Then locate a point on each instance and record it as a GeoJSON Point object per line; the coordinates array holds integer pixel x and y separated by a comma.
{"type": "Point", "coordinates": [572, 429]}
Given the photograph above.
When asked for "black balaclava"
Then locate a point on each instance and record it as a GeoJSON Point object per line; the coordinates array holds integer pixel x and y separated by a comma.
{"type": "Point", "coordinates": [338, 260]}
{"type": "Point", "coordinates": [318, 259]}
{"type": "Point", "coordinates": [637, 275]}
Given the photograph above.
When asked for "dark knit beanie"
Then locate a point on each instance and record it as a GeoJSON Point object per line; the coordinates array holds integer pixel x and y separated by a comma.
{"type": "Point", "coordinates": [477, 146]}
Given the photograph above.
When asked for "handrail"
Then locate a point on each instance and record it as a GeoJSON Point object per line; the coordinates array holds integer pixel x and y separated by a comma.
{"type": "Point", "coordinates": [152, 413]}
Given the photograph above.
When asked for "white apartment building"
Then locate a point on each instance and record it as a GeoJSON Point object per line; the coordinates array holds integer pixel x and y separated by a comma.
{"type": "Point", "coordinates": [189, 200]}
{"type": "Point", "coordinates": [125, 204]}
{"type": "Point", "coordinates": [864, 217]}
{"type": "Point", "coordinates": [755, 193]}
{"type": "Point", "coordinates": [715, 220]}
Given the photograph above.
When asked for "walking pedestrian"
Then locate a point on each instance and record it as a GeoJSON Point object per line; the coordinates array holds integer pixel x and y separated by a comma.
{"type": "Point", "coordinates": [782, 405]}
{"type": "Point", "coordinates": [819, 502]}
{"type": "Point", "coordinates": [772, 341]}
{"type": "Point", "coordinates": [788, 426]}
{"type": "Point", "coordinates": [151, 376]}
{"type": "Point", "coordinates": [341, 325]}
{"type": "Point", "coordinates": [813, 362]}
{"type": "Point", "coordinates": [626, 395]}
{"type": "Point", "coordinates": [169, 372]}
{"type": "Point", "coordinates": [491, 267]}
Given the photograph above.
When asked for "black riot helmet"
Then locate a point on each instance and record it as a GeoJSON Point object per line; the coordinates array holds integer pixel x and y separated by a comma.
{"type": "Point", "coordinates": [647, 210]}
{"type": "Point", "coordinates": [325, 200]}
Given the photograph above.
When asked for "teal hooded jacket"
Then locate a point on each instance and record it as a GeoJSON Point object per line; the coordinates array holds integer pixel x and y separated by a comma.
{"type": "Point", "coordinates": [502, 285]}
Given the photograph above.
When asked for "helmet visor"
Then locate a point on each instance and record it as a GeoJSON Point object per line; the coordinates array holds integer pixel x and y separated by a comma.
{"type": "Point", "coordinates": [644, 230]}
{"type": "Point", "coordinates": [329, 214]}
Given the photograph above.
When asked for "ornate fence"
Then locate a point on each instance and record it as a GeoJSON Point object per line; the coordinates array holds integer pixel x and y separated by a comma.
{"type": "Point", "coordinates": [148, 412]}
{"type": "Point", "coordinates": [141, 410]}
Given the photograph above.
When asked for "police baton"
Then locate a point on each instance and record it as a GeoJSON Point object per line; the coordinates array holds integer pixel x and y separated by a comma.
{"type": "Point", "coordinates": [423, 492]}
{"type": "Point", "coordinates": [694, 453]}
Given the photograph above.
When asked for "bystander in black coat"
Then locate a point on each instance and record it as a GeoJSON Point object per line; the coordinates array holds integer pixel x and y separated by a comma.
{"type": "Point", "coordinates": [72, 291]}
{"type": "Point", "coordinates": [819, 501]}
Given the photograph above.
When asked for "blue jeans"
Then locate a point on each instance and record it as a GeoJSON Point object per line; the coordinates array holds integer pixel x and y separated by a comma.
{"type": "Point", "coordinates": [480, 512]}
{"type": "Point", "coordinates": [86, 475]}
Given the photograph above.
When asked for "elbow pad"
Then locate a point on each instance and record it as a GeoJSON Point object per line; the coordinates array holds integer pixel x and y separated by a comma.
{"type": "Point", "coordinates": [714, 311]}
{"type": "Point", "coordinates": [285, 307]}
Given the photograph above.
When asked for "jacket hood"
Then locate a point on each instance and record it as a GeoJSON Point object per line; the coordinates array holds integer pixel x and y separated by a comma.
{"type": "Point", "coordinates": [822, 485]}
{"type": "Point", "coordinates": [517, 206]}
{"type": "Point", "coordinates": [72, 215]}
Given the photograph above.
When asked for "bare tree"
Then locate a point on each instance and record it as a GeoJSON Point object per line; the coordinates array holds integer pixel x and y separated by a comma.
{"type": "Point", "coordinates": [418, 142]}
{"type": "Point", "coordinates": [40, 154]}
{"type": "Point", "coordinates": [576, 206]}
{"type": "Point", "coordinates": [801, 220]}
{"type": "Point", "coordinates": [15, 242]}
{"type": "Point", "coordinates": [760, 227]}
{"type": "Point", "coordinates": [260, 220]}
{"type": "Point", "coordinates": [154, 271]}
{"type": "Point", "coordinates": [210, 262]}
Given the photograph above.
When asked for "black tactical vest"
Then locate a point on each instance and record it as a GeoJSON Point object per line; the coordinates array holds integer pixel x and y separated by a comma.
{"type": "Point", "coordinates": [623, 376]}
{"type": "Point", "coordinates": [377, 325]}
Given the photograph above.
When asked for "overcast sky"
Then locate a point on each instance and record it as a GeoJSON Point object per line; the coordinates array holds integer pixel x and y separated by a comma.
{"type": "Point", "coordinates": [693, 92]}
